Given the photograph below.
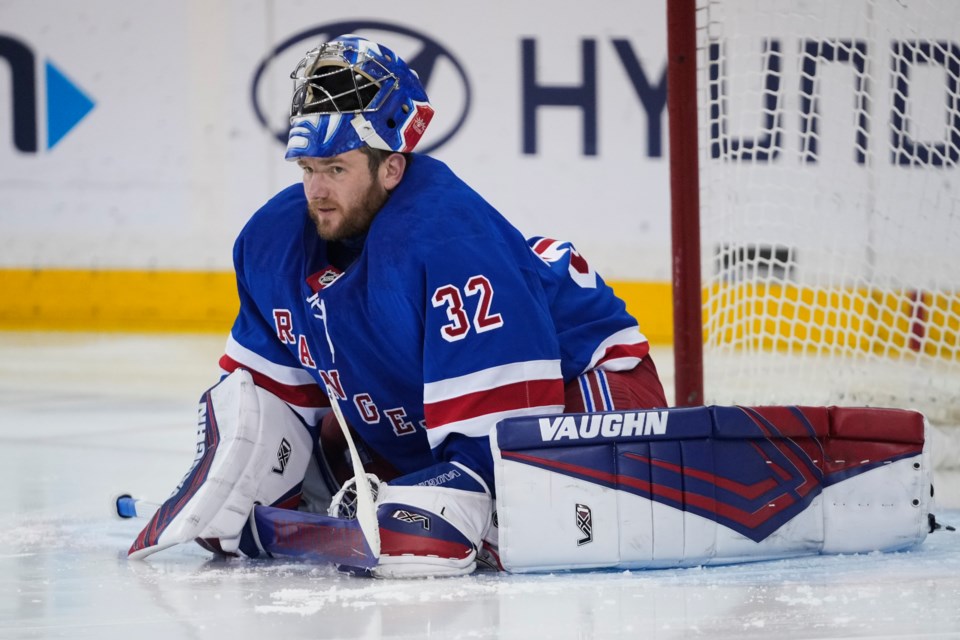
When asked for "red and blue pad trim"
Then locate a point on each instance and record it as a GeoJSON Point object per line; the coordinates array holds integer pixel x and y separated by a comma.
{"type": "Point", "coordinates": [194, 479]}
{"type": "Point", "coordinates": [409, 530]}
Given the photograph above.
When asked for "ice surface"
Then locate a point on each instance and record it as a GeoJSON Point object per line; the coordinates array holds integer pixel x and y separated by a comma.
{"type": "Point", "coordinates": [84, 417]}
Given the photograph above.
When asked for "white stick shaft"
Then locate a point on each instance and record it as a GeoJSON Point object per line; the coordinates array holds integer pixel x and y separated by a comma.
{"type": "Point", "coordinates": [366, 509]}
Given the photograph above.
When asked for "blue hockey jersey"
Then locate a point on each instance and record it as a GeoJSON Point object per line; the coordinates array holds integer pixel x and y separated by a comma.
{"type": "Point", "coordinates": [445, 322]}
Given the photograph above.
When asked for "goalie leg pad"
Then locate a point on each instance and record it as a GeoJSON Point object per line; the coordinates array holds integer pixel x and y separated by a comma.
{"type": "Point", "coordinates": [274, 477]}
{"type": "Point", "coordinates": [252, 448]}
{"type": "Point", "coordinates": [707, 485]}
{"type": "Point", "coordinates": [432, 522]}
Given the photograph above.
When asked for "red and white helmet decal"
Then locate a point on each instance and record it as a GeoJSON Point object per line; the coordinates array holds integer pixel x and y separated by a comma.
{"type": "Point", "coordinates": [412, 130]}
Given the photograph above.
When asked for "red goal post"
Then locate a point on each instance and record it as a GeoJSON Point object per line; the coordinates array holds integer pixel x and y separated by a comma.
{"type": "Point", "coordinates": [684, 201]}
{"type": "Point", "coordinates": [815, 186]}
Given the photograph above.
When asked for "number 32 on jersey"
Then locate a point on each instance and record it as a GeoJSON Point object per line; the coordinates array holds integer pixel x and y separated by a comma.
{"type": "Point", "coordinates": [453, 298]}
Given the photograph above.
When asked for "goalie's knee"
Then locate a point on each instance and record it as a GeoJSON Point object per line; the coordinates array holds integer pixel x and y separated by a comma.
{"type": "Point", "coordinates": [415, 542]}
{"type": "Point", "coordinates": [430, 528]}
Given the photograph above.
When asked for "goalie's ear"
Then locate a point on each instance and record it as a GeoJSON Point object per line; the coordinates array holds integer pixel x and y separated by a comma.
{"type": "Point", "coordinates": [391, 170]}
{"type": "Point", "coordinates": [251, 448]}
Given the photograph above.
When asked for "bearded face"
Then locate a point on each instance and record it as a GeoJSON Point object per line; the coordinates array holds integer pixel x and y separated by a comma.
{"type": "Point", "coordinates": [343, 194]}
{"type": "Point", "coordinates": [337, 220]}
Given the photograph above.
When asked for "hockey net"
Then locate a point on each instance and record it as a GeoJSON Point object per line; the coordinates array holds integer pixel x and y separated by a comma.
{"type": "Point", "coordinates": [829, 204]}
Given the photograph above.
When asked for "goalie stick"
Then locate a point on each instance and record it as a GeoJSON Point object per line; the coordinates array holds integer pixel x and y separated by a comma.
{"type": "Point", "coordinates": [366, 515]}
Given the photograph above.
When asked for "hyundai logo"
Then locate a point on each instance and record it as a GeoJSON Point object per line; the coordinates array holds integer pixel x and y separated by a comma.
{"type": "Point", "coordinates": [440, 72]}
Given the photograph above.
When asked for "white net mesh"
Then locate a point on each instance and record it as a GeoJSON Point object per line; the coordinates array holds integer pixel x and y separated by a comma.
{"type": "Point", "coordinates": [830, 202]}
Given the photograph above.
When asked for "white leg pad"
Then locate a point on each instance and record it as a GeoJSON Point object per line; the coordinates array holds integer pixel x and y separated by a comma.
{"type": "Point", "coordinates": [708, 485]}
{"type": "Point", "coordinates": [251, 448]}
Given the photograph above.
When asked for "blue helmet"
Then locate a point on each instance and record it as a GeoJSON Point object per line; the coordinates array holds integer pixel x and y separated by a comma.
{"type": "Point", "coordinates": [352, 92]}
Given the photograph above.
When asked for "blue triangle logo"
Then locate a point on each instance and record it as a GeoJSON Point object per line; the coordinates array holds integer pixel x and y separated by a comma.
{"type": "Point", "coordinates": [67, 105]}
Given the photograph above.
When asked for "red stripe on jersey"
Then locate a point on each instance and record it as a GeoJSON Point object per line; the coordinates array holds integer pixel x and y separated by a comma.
{"type": "Point", "coordinates": [617, 351]}
{"type": "Point", "coordinates": [509, 397]}
{"type": "Point", "coordinates": [303, 395]}
{"type": "Point", "coordinates": [543, 244]}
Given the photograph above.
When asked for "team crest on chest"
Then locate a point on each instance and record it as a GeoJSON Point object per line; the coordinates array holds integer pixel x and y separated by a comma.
{"type": "Point", "coordinates": [323, 278]}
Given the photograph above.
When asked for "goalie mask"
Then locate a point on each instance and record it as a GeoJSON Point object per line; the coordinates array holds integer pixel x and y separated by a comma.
{"type": "Point", "coordinates": [353, 92]}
